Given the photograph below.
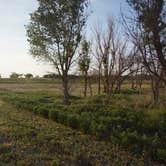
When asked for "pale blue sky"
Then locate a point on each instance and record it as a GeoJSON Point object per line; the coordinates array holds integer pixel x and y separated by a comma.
{"type": "Point", "coordinates": [14, 15]}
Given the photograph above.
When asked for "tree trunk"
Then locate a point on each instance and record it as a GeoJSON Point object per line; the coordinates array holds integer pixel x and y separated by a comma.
{"type": "Point", "coordinates": [106, 82]}
{"type": "Point", "coordinates": [90, 87]}
{"type": "Point", "coordinates": [118, 87]}
{"type": "Point", "coordinates": [132, 82]}
{"type": "Point", "coordinates": [155, 89]}
{"type": "Point", "coordinates": [140, 83]}
{"type": "Point", "coordinates": [99, 81]}
{"type": "Point", "coordinates": [65, 89]}
{"type": "Point", "coordinates": [86, 83]}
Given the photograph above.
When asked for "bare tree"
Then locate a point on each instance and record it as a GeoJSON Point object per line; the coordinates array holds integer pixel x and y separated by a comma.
{"type": "Point", "coordinates": [113, 57]}
{"type": "Point", "coordinates": [98, 61]}
{"type": "Point", "coordinates": [106, 52]}
{"type": "Point", "coordinates": [124, 62]}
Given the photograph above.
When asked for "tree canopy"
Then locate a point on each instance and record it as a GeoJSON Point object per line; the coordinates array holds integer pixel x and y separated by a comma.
{"type": "Point", "coordinates": [55, 32]}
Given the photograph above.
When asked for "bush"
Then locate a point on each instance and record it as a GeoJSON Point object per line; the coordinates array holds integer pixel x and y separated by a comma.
{"type": "Point", "coordinates": [74, 121]}
{"type": "Point", "coordinates": [102, 131]}
{"type": "Point", "coordinates": [43, 111]}
{"type": "Point", "coordinates": [161, 154]}
{"type": "Point", "coordinates": [62, 117]}
{"type": "Point", "coordinates": [46, 99]}
{"type": "Point", "coordinates": [135, 142]}
{"type": "Point", "coordinates": [53, 114]}
{"type": "Point", "coordinates": [55, 162]}
{"type": "Point", "coordinates": [85, 123]}
{"type": "Point", "coordinates": [127, 92]}
{"type": "Point", "coordinates": [102, 99]}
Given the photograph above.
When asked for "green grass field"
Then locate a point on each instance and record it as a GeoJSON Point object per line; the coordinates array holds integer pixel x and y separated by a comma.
{"type": "Point", "coordinates": [37, 129]}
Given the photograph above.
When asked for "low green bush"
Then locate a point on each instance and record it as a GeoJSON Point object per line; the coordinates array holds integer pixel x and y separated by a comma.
{"type": "Point", "coordinates": [127, 92]}
{"type": "Point", "coordinates": [102, 99]}
{"type": "Point", "coordinates": [43, 111]}
{"type": "Point", "coordinates": [161, 154]}
{"type": "Point", "coordinates": [63, 118]}
{"type": "Point", "coordinates": [53, 114]}
{"type": "Point", "coordinates": [85, 123]}
{"type": "Point", "coordinates": [46, 99]}
{"type": "Point", "coordinates": [74, 121]}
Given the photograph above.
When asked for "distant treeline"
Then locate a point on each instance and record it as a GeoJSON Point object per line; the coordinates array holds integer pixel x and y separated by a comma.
{"type": "Point", "coordinates": [93, 77]}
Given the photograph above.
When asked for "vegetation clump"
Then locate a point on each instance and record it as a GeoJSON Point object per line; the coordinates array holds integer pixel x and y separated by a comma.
{"type": "Point", "coordinates": [135, 130]}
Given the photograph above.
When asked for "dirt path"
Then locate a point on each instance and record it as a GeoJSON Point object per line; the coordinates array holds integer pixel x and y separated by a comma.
{"type": "Point", "coordinates": [26, 139]}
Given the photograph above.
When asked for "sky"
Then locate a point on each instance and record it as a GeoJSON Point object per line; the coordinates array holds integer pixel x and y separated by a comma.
{"type": "Point", "coordinates": [14, 48]}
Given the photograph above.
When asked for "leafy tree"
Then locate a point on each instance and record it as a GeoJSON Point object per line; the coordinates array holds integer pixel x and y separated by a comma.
{"type": "Point", "coordinates": [150, 16]}
{"type": "Point", "coordinates": [50, 75]}
{"type": "Point", "coordinates": [15, 75]}
{"type": "Point", "coordinates": [147, 28]}
{"type": "Point", "coordinates": [54, 34]}
{"type": "Point", "coordinates": [84, 63]}
{"type": "Point", "coordinates": [28, 75]}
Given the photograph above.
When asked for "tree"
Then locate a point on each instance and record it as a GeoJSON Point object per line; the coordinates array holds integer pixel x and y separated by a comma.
{"type": "Point", "coordinates": [151, 16]}
{"type": "Point", "coordinates": [147, 30]}
{"type": "Point", "coordinates": [15, 75]}
{"type": "Point", "coordinates": [84, 63]}
{"type": "Point", "coordinates": [123, 64]}
{"type": "Point", "coordinates": [106, 51]}
{"type": "Point", "coordinates": [28, 75]}
{"type": "Point", "coordinates": [54, 34]}
{"type": "Point", "coordinates": [50, 75]}
{"type": "Point", "coordinates": [98, 57]}
{"type": "Point", "coordinates": [113, 57]}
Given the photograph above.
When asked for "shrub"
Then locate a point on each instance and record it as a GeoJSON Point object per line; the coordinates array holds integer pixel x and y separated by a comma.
{"type": "Point", "coordinates": [161, 154]}
{"type": "Point", "coordinates": [102, 99]}
{"type": "Point", "coordinates": [102, 131]}
{"type": "Point", "coordinates": [53, 114]}
{"type": "Point", "coordinates": [127, 92]}
{"type": "Point", "coordinates": [55, 162]}
{"type": "Point", "coordinates": [85, 123]}
{"type": "Point", "coordinates": [134, 141]}
{"type": "Point", "coordinates": [83, 159]}
{"type": "Point", "coordinates": [46, 99]}
{"type": "Point", "coordinates": [62, 117]}
{"type": "Point", "coordinates": [43, 111]}
{"type": "Point", "coordinates": [74, 121]}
